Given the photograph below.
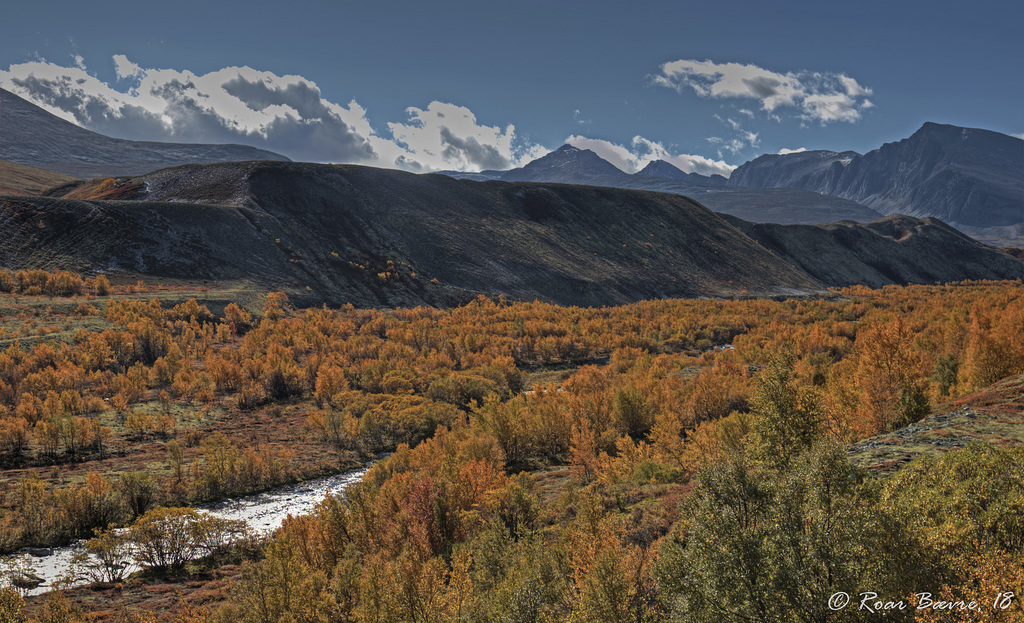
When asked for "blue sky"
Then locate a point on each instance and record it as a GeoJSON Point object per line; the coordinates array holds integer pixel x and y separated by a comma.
{"type": "Point", "coordinates": [471, 85]}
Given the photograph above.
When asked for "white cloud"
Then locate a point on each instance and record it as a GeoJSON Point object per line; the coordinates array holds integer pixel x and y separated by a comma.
{"type": "Point", "coordinates": [688, 163]}
{"type": "Point", "coordinates": [833, 107]}
{"type": "Point", "coordinates": [125, 68]}
{"type": "Point", "coordinates": [1020, 136]}
{"type": "Point", "coordinates": [446, 136]}
{"type": "Point", "coordinates": [234, 104]}
{"type": "Point", "coordinates": [852, 88]}
{"type": "Point", "coordinates": [740, 140]}
{"type": "Point", "coordinates": [732, 145]}
{"type": "Point", "coordinates": [732, 123]}
{"type": "Point", "coordinates": [287, 114]}
{"type": "Point", "coordinates": [644, 151]}
{"type": "Point", "coordinates": [784, 151]}
{"type": "Point", "coordinates": [821, 97]}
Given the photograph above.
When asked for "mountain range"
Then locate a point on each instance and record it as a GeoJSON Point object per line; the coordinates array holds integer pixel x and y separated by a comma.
{"type": "Point", "coordinates": [571, 165]}
{"type": "Point", "coordinates": [568, 227]}
{"type": "Point", "coordinates": [374, 237]}
{"type": "Point", "coordinates": [963, 176]}
{"type": "Point", "coordinates": [972, 179]}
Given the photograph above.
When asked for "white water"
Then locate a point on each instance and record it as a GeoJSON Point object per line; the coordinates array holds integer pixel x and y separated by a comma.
{"type": "Point", "coordinates": [264, 512]}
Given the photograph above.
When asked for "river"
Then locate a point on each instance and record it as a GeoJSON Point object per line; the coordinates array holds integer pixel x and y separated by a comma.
{"type": "Point", "coordinates": [264, 512]}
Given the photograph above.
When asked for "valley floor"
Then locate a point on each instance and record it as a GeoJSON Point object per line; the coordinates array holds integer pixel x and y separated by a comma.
{"type": "Point", "coordinates": [587, 456]}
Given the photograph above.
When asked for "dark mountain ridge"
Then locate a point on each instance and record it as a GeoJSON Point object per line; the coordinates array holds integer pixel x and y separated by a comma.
{"type": "Point", "coordinates": [373, 237]}
{"type": "Point", "coordinates": [571, 165]}
{"type": "Point", "coordinates": [32, 136]}
{"type": "Point", "coordinates": [803, 169]}
{"type": "Point", "coordinates": [667, 170]}
{"type": "Point", "coordinates": [896, 249]}
{"type": "Point", "coordinates": [964, 176]}
{"type": "Point", "coordinates": [972, 179]}
{"type": "Point", "coordinates": [377, 237]}
{"type": "Point", "coordinates": [566, 165]}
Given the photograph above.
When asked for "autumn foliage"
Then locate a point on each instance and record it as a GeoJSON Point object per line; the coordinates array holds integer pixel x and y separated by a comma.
{"type": "Point", "coordinates": [540, 452]}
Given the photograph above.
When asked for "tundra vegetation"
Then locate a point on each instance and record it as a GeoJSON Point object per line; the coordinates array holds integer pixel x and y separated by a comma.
{"type": "Point", "coordinates": [672, 460]}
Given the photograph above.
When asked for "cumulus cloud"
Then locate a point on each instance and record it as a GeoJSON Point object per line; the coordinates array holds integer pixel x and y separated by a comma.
{"type": "Point", "coordinates": [643, 151]}
{"type": "Point", "coordinates": [852, 88]}
{"type": "Point", "coordinates": [446, 136]}
{"type": "Point", "coordinates": [234, 104]}
{"type": "Point", "coordinates": [820, 97]}
{"type": "Point", "coordinates": [287, 114]}
{"type": "Point", "coordinates": [833, 107]}
{"type": "Point", "coordinates": [784, 151]}
{"type": "Point", "coordinates": [125, 68]}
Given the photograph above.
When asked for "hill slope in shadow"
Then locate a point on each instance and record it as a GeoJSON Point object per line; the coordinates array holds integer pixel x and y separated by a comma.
{"type": "Point", "coordinates": [892, 250]}
{"type": "Point", "coordinates": [374, 237]}
{"type": "Point", "coordinates": [368, 236]}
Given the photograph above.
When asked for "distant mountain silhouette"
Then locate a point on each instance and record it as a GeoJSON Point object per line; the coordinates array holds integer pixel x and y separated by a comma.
{"type": "Point", "coordinates": [972, 179]}
{"type": "Point", "coordinates": [660, 168]}
{"type": "Point", "coordinates": [571, 165]}
{"type": "Point", "coordinates": [667, 170]}
{"type": "Point", "coordinates": [964, 176]}
{"type": "Point", "coordinates": [567, 165]}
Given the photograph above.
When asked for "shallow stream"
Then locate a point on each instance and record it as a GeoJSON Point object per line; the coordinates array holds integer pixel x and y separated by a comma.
{"type": "Point", "coordinates": [264, 512]}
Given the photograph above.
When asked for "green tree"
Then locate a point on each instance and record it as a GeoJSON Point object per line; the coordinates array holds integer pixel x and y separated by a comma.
{"type": "Point", "coordinates": [11, 605]}
{"type": "Point", "coordinates": [767, 546]}
{"type": "Point", "coordinates": [282, 588]}
{"type": "Point", "coordinates": [966, 499]}
{"type": "Point", "coordinates": [716, 567]}
{"type": "Point", "coordinates": [787, 419]}
{"type": "Point", "coordinates": [947, 368]}
{"type": "Point", "coordinates": [633, 414]}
